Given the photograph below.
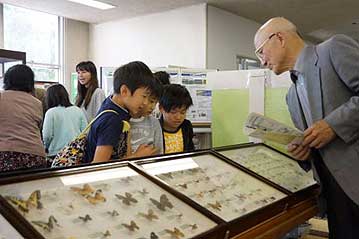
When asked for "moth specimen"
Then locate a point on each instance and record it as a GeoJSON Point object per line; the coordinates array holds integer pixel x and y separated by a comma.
{"type": "Point", "coordinates": [216, 205]}
{"type": "Point", "coordinates": [163, 203]}
{"type": "Point", "coordinates": [149, 216]}
{"type": "Point", "coordinates": [132, 226]}
{"type": "Point", "coordinates": [127, 199]}
{"type": "Point", "coordinates": [114, 213]}
{"type": "Point", "coordinates": [86, 218]}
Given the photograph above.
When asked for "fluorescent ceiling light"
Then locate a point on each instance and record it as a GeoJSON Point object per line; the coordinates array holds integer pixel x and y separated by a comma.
{"type": "Point", "coordinates": [93, 3]}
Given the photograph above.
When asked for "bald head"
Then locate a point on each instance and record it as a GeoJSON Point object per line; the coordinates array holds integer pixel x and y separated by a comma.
{"type": "Point", "coordinates": [273, 25]}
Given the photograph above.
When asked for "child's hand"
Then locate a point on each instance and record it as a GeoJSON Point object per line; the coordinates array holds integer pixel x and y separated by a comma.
{"type": "Point", "coordinates": [145, 150]}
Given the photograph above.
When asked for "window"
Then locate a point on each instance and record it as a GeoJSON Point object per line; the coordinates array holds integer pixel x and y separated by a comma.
{"type": "Point", "coordinates": [37, 34]}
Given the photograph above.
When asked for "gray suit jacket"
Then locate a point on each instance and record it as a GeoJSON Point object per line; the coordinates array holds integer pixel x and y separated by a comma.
{"type": "Point", "coordinates": [331, 72]}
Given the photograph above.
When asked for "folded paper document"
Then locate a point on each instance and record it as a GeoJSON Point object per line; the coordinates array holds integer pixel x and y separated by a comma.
{"type": "Point", "coordinates": [259, 126]}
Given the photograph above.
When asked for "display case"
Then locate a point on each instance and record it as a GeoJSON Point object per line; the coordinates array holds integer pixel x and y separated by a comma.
{"type": "Point", "coordinates": [13, 57]}
{"type": "Point", "coordinates": [189, 195]}
{"type": "Point", "coordinates": [117, 202]}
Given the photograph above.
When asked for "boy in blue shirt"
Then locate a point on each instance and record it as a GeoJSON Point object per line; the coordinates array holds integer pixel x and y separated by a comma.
{"type": "Point", "coordinates": [177, 130]}
{"type": "Point", "coordinates": [107, 138]}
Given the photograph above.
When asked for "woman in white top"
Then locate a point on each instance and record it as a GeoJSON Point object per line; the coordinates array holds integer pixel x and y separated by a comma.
{"type": "Point", "coordinates": [89, 95]}
{"type": "Point", "coordinates": [63, 121]}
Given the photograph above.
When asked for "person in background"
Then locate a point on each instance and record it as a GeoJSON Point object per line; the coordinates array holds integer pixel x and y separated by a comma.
{"type": "Point", "coordinates": [177, 130]}
{"type": "Point", "coordinates": [323, 102]}
{"type": "Point", "coordinates": [147, 130]}
{"type": "Point", "coordinates": [163, 77]}
{"type": "Point", "coordinates": [21, 118]}
{"type": "Point", "coordinates": [89, 95]}
{"type": "Point", "coordinates": [63, 121]}
{"type": "Point", "coordinates": [107, 138]}
{"type": "Point", "coordinates": [40, 95]}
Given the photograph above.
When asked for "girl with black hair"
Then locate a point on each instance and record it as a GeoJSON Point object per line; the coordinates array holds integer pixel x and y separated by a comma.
{"type": "Point", "coordinates": [89, 95]}
{"type": "Point", "coordinates": [21, 119]}
{"type": "Point", "coordinates": [63, 121]}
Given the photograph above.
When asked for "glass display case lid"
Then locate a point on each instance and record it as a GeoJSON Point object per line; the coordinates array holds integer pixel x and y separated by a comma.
{"type": "Point", "coordinates": [223, 189]}
{"type": "Point", "coordinates": [112, 203]}
{"type": "Point", "coordinates": [272, 165]}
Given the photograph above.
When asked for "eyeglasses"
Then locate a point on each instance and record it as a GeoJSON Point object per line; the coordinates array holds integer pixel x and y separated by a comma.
{"type": "Point", "coordinates": [259, 50]}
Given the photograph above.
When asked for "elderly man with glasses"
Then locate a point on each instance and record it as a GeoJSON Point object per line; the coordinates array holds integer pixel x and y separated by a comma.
{"type": "Point", "coordinates": [323, 102]}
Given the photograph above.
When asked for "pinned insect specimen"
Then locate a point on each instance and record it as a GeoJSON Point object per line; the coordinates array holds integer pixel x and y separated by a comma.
{"type": "Point", "coordinates": [114, 213]}
{"type": "Point", "coordinates": [99, 197]}
{"type": "Point", "coordinates": [132, 226]}
{"type": "Point", "coordinates": [126, 180]}
{"type": "Point", "coordinates": [24, 205]}
{"type": "Point", "coordinates": [149, 216]}
{"type": "Point", "coordinates": [143, 192]}
{"type": "Point", "coordinates": [184, 185]}
{"type": "Point", "coordinates": [85, 190]}
{"type": "Point", "coordinates": [216, 205]}
{"type": "Point", "coordinates": [86, 218]}
{"type": "Point", "coordinates": [107, 233]}
{"type": "Point", "coordinates": [163, 203]}
{"type": "Point", "coordinates": [47, 226]}
{"type": "Point", "coordinates": [175, 233]}
{"type": "Point", "coordinates": [191, 226]}
{"type": "Point", "coordinates": [127, 199]}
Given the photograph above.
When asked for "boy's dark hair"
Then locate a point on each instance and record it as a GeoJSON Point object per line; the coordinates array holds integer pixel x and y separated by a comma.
{"type": "Point", "coordinates": [134, 75]}
{"type": "Point", "coordinates": [84, 94]}
{"type": "Point", "coordinates": [21, 78]}
{"type": "Point", "coordinates": [175, 96]}
{"type": "Point", "coordinates": [56, 95]}
{"type": "Point", "coordinates": [163, 77]}
{"type": "Point", "coordinates": [157, 89]}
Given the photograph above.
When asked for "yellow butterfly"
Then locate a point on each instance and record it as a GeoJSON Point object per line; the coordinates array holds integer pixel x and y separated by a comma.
{"type": "Point", "coordinates": [23, 205]}
{"type": "Point", "coordinates": [175, 233]}
{"type": "Point", "coordinates": [99, 197]}
{"type": "Point", "coordinates": [85, 190]}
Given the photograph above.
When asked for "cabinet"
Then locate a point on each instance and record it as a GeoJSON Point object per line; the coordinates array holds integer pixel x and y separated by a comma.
{"type": "Point", "coordinates": [208, 194]}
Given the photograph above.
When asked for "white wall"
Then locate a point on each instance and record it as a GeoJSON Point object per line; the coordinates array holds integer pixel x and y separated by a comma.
{"type": "Point", "coordinates": [228, 35]}
{"type": "Point", "coordinates": [176, 37]}
{"type": "Point", "coordinates": [76, 46]}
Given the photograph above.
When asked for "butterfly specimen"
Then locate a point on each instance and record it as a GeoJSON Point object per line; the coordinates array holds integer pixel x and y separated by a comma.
{"type": "Point", "coordinates": [150, 215]}
{"type": "Point", "coordinates": [99, 197]}
{"type": "Point", "coordinates": [85, 190]}
{"type": "Point", "coordinates": [114, 213]}
{"type": "Point", "coordinates": [23, 205]}
{"type": "Point", "coordinates": [106, 233]}
{"type": "Point", "coordinates": [216, 206]}
{"type": "Point", "coordinates": [184, 185]}
{"type": "Point", "coordinates": [132, 226]}
{"type": "Point", "coordinates": [153, 236]}
{"type": "Point", "coordinates": [175, 233]}
{"type": "Point", "coordinates": [200, 194]}
{"type": "Point", "coordinates": [47, 226]}
{"type": "Point", "coordinates": [126, 180]}
{"type": "Point", "coordinates": [143, 192]}
{"type": "Point", "coordinates": [127, 199]}
{"type": "Point", "coordinates": [86, 218]}
{"type": "Point", "coordinates": [163, 203]}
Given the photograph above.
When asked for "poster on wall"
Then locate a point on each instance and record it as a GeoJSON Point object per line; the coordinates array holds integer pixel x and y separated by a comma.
{"type": "Point", "coordinates": [196, 83]}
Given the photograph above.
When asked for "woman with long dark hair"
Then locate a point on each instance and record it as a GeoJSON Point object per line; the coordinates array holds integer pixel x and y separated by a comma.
{"type": "Point", "coordinates": [21, 118]}
{"type": "Point", "coordinates": [63, 121]}
{"type": "Point", "coordinates": [89, 95]}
